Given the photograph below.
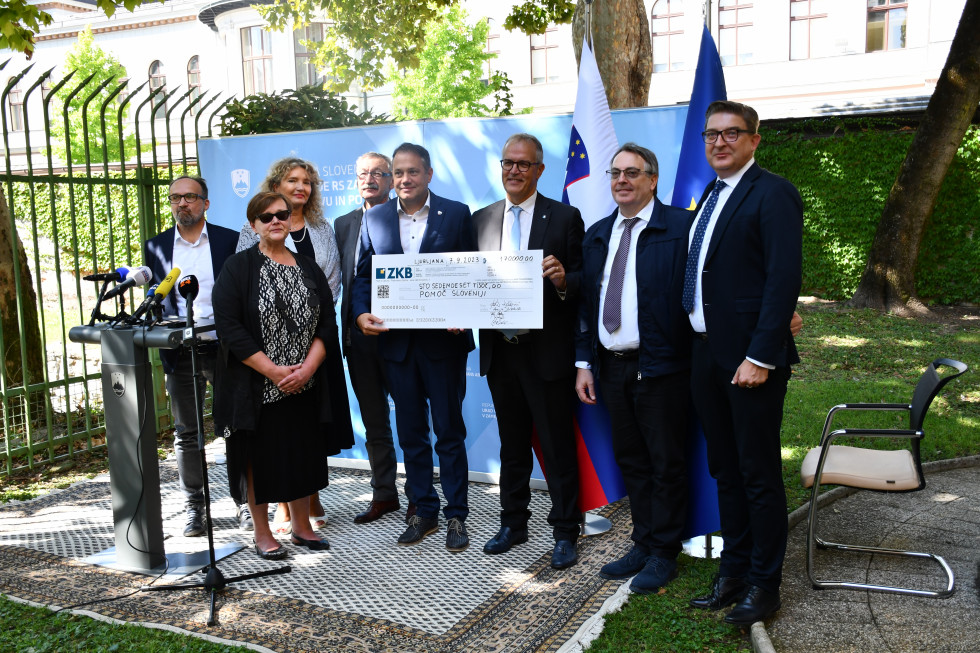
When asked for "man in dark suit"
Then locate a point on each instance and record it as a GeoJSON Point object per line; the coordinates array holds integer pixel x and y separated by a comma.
{"type": "Point", "coordinates": [423, 366]}
{"type": "Point", "coordinates": [531, 373]}
{"type": "Point", "coordinates": [197, 248]}
{"type": "Point", "coordinates": [634, 344]}
{"type": "Point", "coordinates": [363, 362]}
{"type": "Point", "coordinates": [742, 283]}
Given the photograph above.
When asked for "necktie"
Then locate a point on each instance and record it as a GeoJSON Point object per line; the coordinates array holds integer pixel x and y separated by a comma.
{"type": "Point", "coordinates": [691, 270]}
{"type": "Point", "coordinates": [514, 238]}
{"type": "Point", "coordinates": [612, 310]}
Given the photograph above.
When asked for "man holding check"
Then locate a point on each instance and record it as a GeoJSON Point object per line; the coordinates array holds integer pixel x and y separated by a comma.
{"type": "Point", "coordinates": [423, 366]}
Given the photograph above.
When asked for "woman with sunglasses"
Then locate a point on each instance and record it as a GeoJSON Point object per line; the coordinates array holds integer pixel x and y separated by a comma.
{"type": "Point", "coordinates": [282, 399]}
{"type": "Point", "coordinates": [311, 235]}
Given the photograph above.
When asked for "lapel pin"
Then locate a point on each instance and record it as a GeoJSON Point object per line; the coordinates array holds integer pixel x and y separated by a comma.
{"type": "Point", "coordinates": [438, 212]}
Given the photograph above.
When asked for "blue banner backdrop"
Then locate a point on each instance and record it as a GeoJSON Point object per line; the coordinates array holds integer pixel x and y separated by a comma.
{"type": "Point", "coordinates": [465, 159]}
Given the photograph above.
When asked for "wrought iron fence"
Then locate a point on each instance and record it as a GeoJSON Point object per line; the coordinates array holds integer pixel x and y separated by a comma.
{"type": "Point", "coordinates": [60, 220]}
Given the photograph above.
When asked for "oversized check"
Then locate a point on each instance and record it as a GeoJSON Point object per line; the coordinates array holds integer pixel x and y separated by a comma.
{"type": "Point", "coordinates": [467, 290]}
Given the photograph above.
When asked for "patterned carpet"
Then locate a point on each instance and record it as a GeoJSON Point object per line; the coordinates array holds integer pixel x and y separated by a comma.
{"type": "Point", "coordinates": [364, 594]}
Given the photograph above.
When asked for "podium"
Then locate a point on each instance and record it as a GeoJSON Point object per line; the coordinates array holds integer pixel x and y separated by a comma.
{"type": "Point", "coordinates": [134, 472]}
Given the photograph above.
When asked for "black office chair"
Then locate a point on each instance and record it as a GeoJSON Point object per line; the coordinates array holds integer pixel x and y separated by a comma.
{"type": "Point", "coordinates": [871, 469]}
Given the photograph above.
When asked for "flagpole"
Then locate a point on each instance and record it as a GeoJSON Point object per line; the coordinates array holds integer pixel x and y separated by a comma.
{"type": "Point", "coordinates": [588, 23]}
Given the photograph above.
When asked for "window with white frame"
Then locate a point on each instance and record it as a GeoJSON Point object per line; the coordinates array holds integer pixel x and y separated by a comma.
{"type": "Point", "coordinates": [257, 59]}
{"type": "Point", "coordinates": [194, 83]}
{"type": "Point", "coordinates": [544, 57]}
{"type": "Point", "coordinates": [666, 35]}
{"type": "Point", "coordinates": [809, 36]}
{"type": "Point", "coordinates": [158, 80]}
{"type": "Point", "coordinates": [735, 32]}
{"type": "Point", "coordinates": [886, 25]}
{"type": "Point", "coordinates": [306, 71]}
{"type": "Point", "coordinates": [493, 46]}
{"type": "Point", "coordinates": [15, 107]}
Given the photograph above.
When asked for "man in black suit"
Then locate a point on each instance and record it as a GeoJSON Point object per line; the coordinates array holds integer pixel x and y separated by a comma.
{"type": "Point", "coordinates": [742, 283]}
{"type": "Point", "coordinates": [634, 344]}
{"type": "Point", "coordinates": [197, 248]}
{"type": "Point", "coordinates": [531, 373]}
{"type": "Point", "coordinates": [364, 365]}
{"type": "Point", "coordinates": [425, 368]}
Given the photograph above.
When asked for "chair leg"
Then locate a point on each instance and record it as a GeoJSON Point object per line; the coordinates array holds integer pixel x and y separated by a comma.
{"type": "Point", "coordinates": [814, 541]}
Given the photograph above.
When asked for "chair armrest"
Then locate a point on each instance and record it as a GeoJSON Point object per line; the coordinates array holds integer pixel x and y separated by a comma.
{"type": "Point", "coordinates": [872, 433]}
{"type": "Point", "coordinates": [841, 407]}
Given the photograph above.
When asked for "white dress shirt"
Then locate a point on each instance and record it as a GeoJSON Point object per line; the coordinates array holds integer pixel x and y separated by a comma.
{"type": "Point", "coordinates": [411, 226]}
{"type": "Point", "coordinates": [195, 258]}
{"type": "Point", "coordinates": [627, 336]}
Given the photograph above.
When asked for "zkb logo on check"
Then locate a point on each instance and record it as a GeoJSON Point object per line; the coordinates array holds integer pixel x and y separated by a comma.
{"type": "Point", "coordinates": [393, 273]}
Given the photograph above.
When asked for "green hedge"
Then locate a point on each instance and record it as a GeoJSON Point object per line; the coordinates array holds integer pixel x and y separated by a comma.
{"type": "Point", "coordinates": [845, 168]}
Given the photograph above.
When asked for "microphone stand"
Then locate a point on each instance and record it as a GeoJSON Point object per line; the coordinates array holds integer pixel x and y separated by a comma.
{"type": "Point", "coordinates": [214, 581]}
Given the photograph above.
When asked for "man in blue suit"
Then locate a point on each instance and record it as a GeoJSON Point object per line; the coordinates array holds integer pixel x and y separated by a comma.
{"type": "Point", "coordinates": [742, 283]}
{"type": "Point", "coordinates": [634, 344]}
{"type": "Point", "coordinates": [423, 366]}
{"type": "Point", "coordinates": [197, 248]}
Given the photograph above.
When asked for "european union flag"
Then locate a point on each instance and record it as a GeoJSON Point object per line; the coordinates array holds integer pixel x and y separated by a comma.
{"type": "Point", "coordinates": [693, 171]}
{"type": "Point", "coordinates": [577, 167]}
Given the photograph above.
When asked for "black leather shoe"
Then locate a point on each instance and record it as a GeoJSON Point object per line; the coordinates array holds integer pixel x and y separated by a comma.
{"type": "Point", "coordinates": [277, 553]}
{"type": "Point", "coordinates": [456, 538]}
{"type": "Point", "coordinates": [375, 511]}
{"type": "Point", "coordinates": [418, 528]}
{"type": "Point", "coordinates": [629, 565]}
{"type": "Point", "coordinates": [564, 554]}
{"type": "Point", "coordinates": [757, 605]}
{"type": "Point", "coordinates": [312, 545]}
{"type": "Point", "coordinates": [724, 591]}
{"type": "Point", "coordinates": [505, 538]}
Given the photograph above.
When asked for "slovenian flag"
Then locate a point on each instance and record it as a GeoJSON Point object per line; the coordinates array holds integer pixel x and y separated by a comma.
{"type": "Point", "coordinates": [591, 145]}
{"type": "Point", "coordinates": [693, 171]}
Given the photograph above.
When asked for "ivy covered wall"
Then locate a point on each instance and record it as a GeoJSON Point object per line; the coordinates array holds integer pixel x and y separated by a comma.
{"type": "Point", "coordinates": [845, 168]}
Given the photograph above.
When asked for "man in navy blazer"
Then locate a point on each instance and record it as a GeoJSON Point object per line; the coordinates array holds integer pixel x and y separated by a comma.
{"type": "Point", "coordinates": [198, 248]}
{"type": "Point", "coordinates": [423, 366]}
{"type": "Point", "coordinates": [742, 283]}
{"type": "Point", "coordinates": [634, 345]}
{"type": "Point", "coordinates": [531, 373]}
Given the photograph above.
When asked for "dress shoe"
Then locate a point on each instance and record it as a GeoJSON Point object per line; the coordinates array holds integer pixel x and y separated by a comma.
{"type": "Point", "coordinates": [656, 573]}
{"type": "Point", "coordinates": [410, 512]}
{"type": "Point", "coordinates": [312, 545]}
{"type": "Point", "coordinates": [456, 538]}
{"type": "Point", "coordinates": [245, 522]}
{"type": "Point", "coordinates": [196, 521]}
{"type": "Point", "coordinates": [564, 554]}
{"type": "Point", "coordinates": [277, 553]}
{"type": "Point", "coordinates": [629, 565]}
{"type": "Point", "coordinates": [725, 590]}
{"type": "Point", "coordinates": [756, 605]}
{"type": "Point", "coordinates": [505, 538]}
{"type": "Point", "coordinates": [376, 510]}
{"type": "Point", "coordinates": [418, 528]}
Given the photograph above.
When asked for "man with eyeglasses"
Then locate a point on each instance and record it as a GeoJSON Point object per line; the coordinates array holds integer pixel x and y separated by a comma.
{"type": "Point", "coordinates": [425, 368]}
{"type": "Point", "coordinates": [197, 248]}
{"type": "Point", "coordinates": [742, 283]}
{"type": "Point", "coordinates": [530, 373]}
{"type": "Point", "coordinates": [365, 366]}
{"type": "Point", "coordinates": [634, 344]}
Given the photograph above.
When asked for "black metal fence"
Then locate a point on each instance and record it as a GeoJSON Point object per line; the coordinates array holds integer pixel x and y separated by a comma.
{"type": "Point", "coordinates": [87, 164]}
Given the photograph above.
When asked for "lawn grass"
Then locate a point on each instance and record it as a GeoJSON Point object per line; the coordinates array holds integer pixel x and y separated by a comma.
{"type": "Point", "coordinates": [847, 356]}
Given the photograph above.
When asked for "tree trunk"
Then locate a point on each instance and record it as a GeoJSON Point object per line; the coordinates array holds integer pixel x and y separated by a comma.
{"type": "Point", "coordinates": [621, 43]}
{"type": "Point", "coordinates": [888, 281]}
{"type": "Point", "coordinates": [14, 368]}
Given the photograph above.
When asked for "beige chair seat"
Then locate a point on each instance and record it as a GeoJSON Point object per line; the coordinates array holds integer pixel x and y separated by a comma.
{"type": "Point", "coordinates": [870, 469]}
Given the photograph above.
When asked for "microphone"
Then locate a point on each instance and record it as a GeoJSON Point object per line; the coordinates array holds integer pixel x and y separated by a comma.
{"type": "Point", "coordinates": [118, 275]}
{"type": "Point", "coordinates": [138, 277]}
{"type": "Point", "coordinates": [189, 287]}
{"type": "Point", "coordinates": [157, 297]}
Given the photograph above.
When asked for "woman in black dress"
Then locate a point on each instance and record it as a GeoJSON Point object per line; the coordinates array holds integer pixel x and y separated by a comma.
{"type": "Point", "coordinates": [281, 399]}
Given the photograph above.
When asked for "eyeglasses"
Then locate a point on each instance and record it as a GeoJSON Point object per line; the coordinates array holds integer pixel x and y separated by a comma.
{"type": "Point", "coordinates": [281, 216]}
{"type": "Point", "coordinates": [190, 198]}
{"type": "Point", "coordinates": [523, 166]}
{"type": "Point", "coordinates": [730, 135]}
{"type": "Point", "coordinates": [631, 173]}
{"type": "Point", "coordinates": [376, 174]}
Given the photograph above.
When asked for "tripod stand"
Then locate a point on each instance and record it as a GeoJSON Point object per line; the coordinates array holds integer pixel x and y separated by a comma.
{"type": "Point", "coordinates": [214, 580]}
